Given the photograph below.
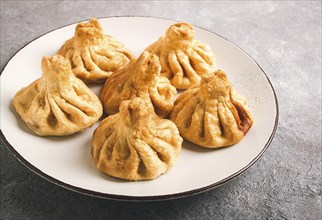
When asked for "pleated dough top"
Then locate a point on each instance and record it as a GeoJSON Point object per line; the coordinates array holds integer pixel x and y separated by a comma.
{"type": "Point", "coordinates": [93, 55]}
{"type": "Point", "coordinates": [212, 114]}
{"type": "Point", "coordinates": [58, 103]}
{"type": "Point", "coordinates": [183, 58]}
{"type": "Point", "coordinates": [141, 78]}
{"type": "Point", "coordinates": [135, 144]}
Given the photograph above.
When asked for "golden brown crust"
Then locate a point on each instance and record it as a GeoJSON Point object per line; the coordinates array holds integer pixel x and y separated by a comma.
{"type": "Point", "coordinates": [58, 103]}
{"type": "Point", "coordinates": [135, 144]}
{"type": "Point", "coordinates": [183, 58]}
{"type": "Point", "coordinates": [93, 55]}
{"type": "Point", "coordinates": [141, 78]}
{"type": "Point", "coordinates": [211, 114]}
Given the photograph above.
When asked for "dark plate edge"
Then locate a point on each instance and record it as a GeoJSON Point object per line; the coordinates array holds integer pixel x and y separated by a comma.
{"type": "Point", "coordinates": [141, 198]}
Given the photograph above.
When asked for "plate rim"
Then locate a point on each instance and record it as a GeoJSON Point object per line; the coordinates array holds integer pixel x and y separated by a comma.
{"type": "Point", "coordinates": [118, 197]}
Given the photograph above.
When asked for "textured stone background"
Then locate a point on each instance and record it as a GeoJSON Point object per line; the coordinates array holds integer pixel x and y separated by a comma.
{"type": "Point", "coordinates": [283, 37]}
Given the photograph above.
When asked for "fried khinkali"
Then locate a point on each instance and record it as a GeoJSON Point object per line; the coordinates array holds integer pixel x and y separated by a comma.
{"type": "Point", "coordinates": [93, 55]}
{"type": "Point", "coordinates": [183, 58]}
{"type": "Point", "coordinates": [141, 78]}
{"type": "Point", "coordinates": [211, 114]}
{"type": "Point", "coordinates": [135, 144]}
{"type": "Point", "coordinates": [58, 103]}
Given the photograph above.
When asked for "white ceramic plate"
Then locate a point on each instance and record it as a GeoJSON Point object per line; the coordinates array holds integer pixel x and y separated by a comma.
{"type": "Point", "coordinates": [67, 162]}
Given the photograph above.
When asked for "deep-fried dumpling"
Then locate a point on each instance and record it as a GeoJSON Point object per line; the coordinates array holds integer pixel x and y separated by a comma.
{"type": "Point", "coordinates": [212, 115]}
{"type": "Point", "coordinates": [135, 144]}
{"type": "Point", "coordinates": [141, 78]}
{"type": "Point", "coordinates": [183, 58]}
{"type": "Point", "coordinates": [58, 103]}
{"type": "Point", "coordinates": [93, 55]}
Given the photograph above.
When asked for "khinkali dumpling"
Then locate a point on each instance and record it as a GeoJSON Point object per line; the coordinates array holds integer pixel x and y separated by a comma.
{"type": "Point", "coordinates": [141, 78]}
{"type": "Point", "coordinates": [183, 58]}
{"type": "Point", "coordinates": [212, 115]}
{"type": "Point", "coordinates": [93, 55]}
{"type": "Point", "coordinates": [135, 144]}
{"type": "Point", "coordinates": [58, 103]}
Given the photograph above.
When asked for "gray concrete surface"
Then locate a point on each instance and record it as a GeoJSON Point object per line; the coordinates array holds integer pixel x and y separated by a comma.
{"type": "Point", "coordinates": [284, 37]}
